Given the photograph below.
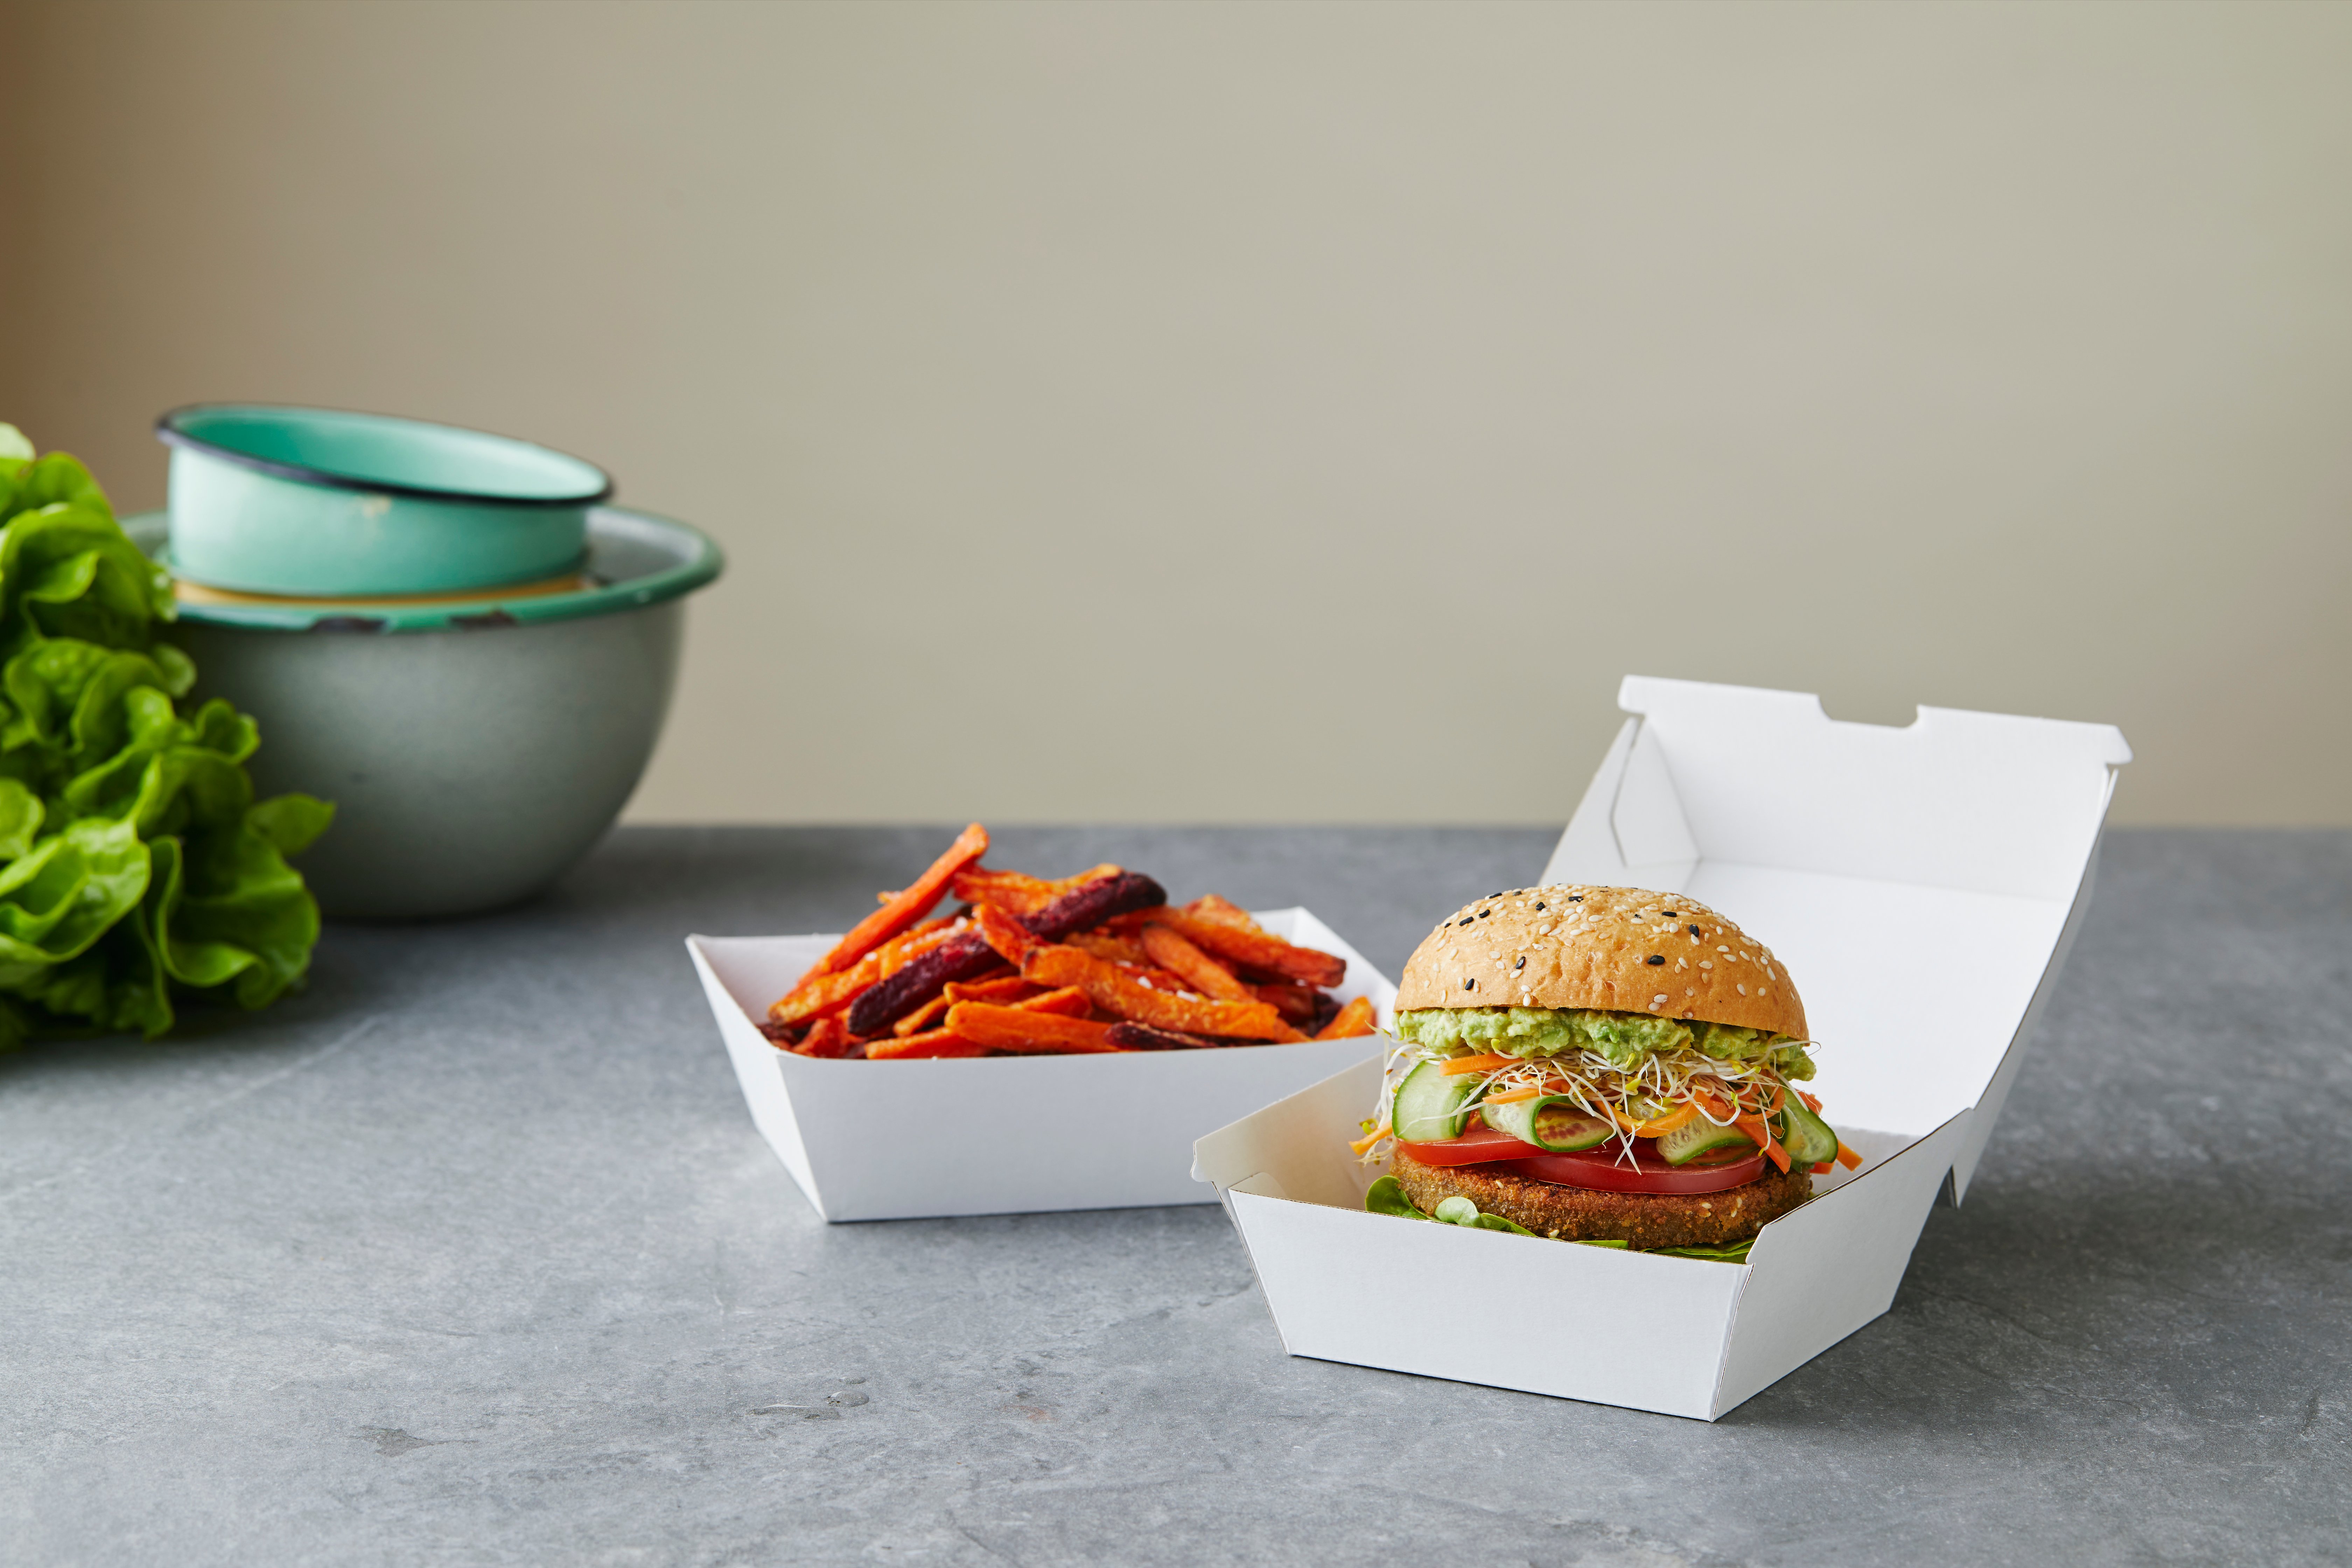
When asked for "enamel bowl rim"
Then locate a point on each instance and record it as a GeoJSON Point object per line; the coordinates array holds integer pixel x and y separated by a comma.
{"type": "Point", "coordinates": [169, 429]}
{"type": "Point", "coordinates": [697, 560]}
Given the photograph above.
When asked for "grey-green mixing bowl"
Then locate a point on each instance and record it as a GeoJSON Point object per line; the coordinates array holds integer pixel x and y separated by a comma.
{"type": "Point", "coordinates": [474, 751]}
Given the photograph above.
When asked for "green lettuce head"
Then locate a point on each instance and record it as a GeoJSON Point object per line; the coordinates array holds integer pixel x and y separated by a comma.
{"type": "Point", "coordinates": [136, 868]}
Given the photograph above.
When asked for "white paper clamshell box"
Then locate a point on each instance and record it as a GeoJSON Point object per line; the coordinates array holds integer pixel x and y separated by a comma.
{"type": "Point", "coordinates": [1102, 1132]}
{"type": "Point", "coordinates": [1921, 884]}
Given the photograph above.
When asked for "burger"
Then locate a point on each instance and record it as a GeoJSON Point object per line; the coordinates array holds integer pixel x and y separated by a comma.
{"type": "Point", "coordinates": [1605, 1065]}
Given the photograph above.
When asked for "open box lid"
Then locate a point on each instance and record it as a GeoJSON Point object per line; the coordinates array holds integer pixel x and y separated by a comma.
{"type": "Point", "coordinates": [1920, 884]}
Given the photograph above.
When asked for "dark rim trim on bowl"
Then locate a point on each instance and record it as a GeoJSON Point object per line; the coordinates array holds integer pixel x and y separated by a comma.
{"type": "Point", "coordinates": [169, 433]}
{"type": "Point", "coordinates": [697, 560]}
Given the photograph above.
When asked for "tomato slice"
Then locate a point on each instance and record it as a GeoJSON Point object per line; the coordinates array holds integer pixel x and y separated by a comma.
{"type": "Point", "coordinates": [1604, 1169]}
{"type": "Point", "coordinates": [1479, 1146]}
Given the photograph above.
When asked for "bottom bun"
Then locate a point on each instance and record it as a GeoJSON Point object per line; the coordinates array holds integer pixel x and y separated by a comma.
{"type": "Point", "coordinates": [1580, 1214]}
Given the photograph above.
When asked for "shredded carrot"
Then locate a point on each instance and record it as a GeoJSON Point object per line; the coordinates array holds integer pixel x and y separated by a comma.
{"type": "Point", "coordinates": [1811, 1103]}
{"type": "Point", "coordinates": [1667, 1123]}
{"type": "Point", "coordinates": [1473, 1064]}
{"type": "Point", "coordinates": [1377, 1133]}
{"type": "Point", "coordinates": [1756, 1127]}
{"type": "Point", "coordinates": [1823, 1169]}
{"type": "Point", "coordinates": [1846, 1156]}
{"type": "Point", "coordinates": [1511, 1095]}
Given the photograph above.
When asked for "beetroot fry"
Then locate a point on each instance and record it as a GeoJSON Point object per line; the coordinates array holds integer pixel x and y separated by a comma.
{"type": "Point", "coordinates": [1114, 991]}
{"type": "Point", "coordinates": [1026, 1030]}
{"type": "Point", "coordinates": [963, 956]}
{"type": "Point", "coordinates": [911, 905]}
{"type": "Point", "coordinates": [1129, 1035]}
{"type": "Point", "coordinates": [1171, 950]}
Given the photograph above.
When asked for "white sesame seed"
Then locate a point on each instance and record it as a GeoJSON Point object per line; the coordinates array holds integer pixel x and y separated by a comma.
{"type": "Point", "coordinates": [1658, 1001]}
{"type": "Point", "coordinates": [1707, 963]}
{"type": "Point", "coordinates": [1741, 989]}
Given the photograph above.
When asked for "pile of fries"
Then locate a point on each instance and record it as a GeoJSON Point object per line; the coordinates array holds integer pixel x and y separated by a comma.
{"type": "Point", "coordinates": [1095, 963]}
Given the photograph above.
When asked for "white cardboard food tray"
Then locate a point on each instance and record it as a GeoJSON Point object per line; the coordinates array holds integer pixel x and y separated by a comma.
{"type": "Point", "coordinates": [1922, 885]}
{"type": "Point", "coordinates": [1093, 1132]}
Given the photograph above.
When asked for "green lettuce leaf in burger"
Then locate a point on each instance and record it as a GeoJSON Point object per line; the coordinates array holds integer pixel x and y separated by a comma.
{"type": "Point", "coordinates": [1605, 1065]}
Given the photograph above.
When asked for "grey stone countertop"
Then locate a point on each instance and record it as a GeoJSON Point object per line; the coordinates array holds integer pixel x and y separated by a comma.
{"type": "Point", "coordinates": [471, 1255]}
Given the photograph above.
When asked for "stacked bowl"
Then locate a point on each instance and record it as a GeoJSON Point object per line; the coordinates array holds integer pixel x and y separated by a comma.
{"type": "Point", "coordinates": [446, 633]}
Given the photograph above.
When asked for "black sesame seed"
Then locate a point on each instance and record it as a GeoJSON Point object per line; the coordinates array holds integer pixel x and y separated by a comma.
{"type": "Point", "coordinates": [1576, 898]}
{"type": "Point", "coordinates": [1471, 983]}
{"type": "Point", "coordinates": [1484, 914]}
{"type": "Point", "coordinates": [1467, 919]}
{"type": "Point", "coordinates": [1522, 963]}
{"type": "Point", "coordinates": [1539, 906]}
{"type": "Point", "coordinates": [1658, 958]}
{"type": "Point", "coordinates": [1693, 931]}
{"type": "Point", "coordinates": [1670, 914]}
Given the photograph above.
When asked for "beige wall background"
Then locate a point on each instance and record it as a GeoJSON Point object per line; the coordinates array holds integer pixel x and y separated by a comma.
{"type": "Point", "coordinates": [1286, 413]}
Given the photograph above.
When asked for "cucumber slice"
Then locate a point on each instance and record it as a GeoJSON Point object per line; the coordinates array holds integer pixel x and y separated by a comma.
{"type": "Point", "coordinates": [1431, 1105]}
{"type": "Point", "coordinates": [1809, 1138]}
{"type": "Point", "coordinates": [1695, 1137]}
{"type": "Point", "coordinates": [1525, 1121]}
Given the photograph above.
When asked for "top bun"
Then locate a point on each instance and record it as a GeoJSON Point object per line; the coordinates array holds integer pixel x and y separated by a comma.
{"type": "Point", "coordinates": [1624, 950]}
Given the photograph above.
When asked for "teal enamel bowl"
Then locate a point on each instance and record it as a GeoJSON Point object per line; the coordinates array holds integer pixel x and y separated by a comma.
{"type": "Point", "coordinates": [317, 501]}
{"type": "Point", "coordinates": [475, 749]}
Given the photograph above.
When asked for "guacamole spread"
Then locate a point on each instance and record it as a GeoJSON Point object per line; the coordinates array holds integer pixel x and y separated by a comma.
{"type": "Point", "coordinates": [1621, 1039]}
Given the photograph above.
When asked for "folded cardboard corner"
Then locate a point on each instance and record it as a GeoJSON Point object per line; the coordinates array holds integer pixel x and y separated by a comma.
{"type": "Point", "coordinates": [1930, 878]}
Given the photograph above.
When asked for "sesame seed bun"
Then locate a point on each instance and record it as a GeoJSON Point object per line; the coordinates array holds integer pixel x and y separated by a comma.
{"type": "Point", "coordinates": [1624, 950]}
{"type": "Point", "coordinates": [1580, 1214]}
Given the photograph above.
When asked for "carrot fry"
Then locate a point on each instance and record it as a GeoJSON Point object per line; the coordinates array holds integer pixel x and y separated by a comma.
{"type": "Point", "coordinates": [1846, 1156]}
{"type": "Point", "coordinates": [1113, 992]}
{"type": "Point", "coordinates": [1171, 950]}
{"type": "Point", "coordinates": [1354, 1019]}
{"type": "Point", "coordinates": [1257, 949]}
{"type": "Point", "coordinates": [1017, 894]}
{"type": "Point", "coordinates": [910, 906]}
{"type": "Point", "coordinates": [1473, 1064]}
{"type": "Point", "coordinates": [1025, 1030]}
{"type": "Point", "coordinates": [937, 1043]}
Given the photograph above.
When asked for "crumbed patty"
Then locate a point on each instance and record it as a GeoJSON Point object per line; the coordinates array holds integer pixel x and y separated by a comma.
{"type": "Point", "coordinates": [1642, 1220]}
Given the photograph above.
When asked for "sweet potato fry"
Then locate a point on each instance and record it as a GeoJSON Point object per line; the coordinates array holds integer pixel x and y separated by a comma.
{"type": "Point", "coordinates": [1069, 1001]}
{"type": "Point", "coordinates": [1016, 894]}
{"type": "Point", "coordinates": [822, 995]}
{"type": "Point", "coordinates": [1354, 1019]}
{"type": "Point", "coordinates": [927, 1016]}
{"type": "Point", "coordinates": [932, 1043]}
{"type": "Point", "coordinates": [911, 904]}
{"type": "Point", "coordinates": [1026, 1030]}
{"type": "Point", "coordinates": [1298, 1004]}
{"type": "Point", "coordinates": [1171, 950]}
{"type": "Point", "coordinates": [1006, 989]}
{"type": "Point", "coordinates": [826, 1037]}
{"type": "Point", "coordinates": [1112, 991]}
{"type": "Point", "coordinates": [1111, 945]}
{"type": "Point", "coordinates": [1128, 1035]}
{"type": "Point", "coordinates": [1209, 907]}
{"type": "Point", "coordinates": [1257, 949]}
{"type": "Point", "coordinates": [1005, 935]}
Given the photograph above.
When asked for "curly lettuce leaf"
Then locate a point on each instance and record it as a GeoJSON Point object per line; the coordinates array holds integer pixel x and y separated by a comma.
{"type": "Point", "coordinates": [134, 862]}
